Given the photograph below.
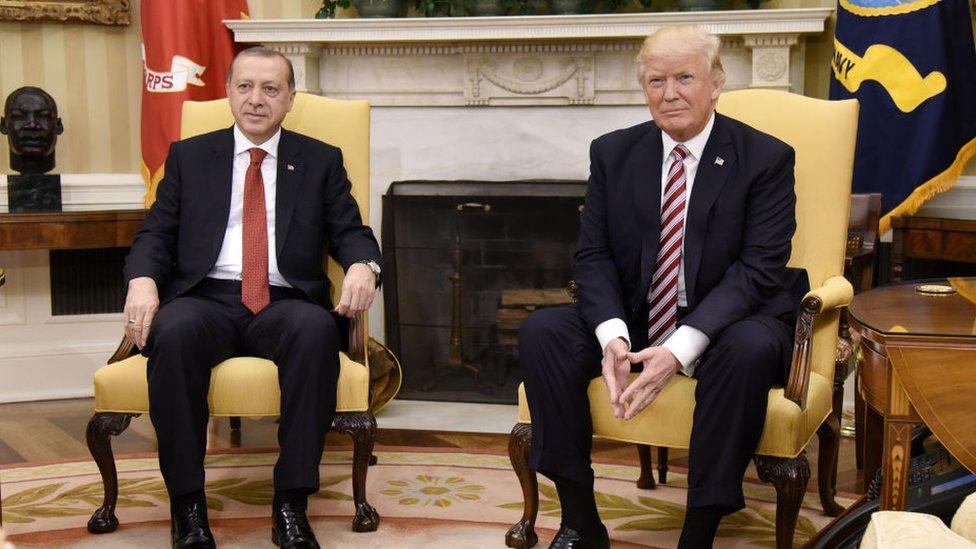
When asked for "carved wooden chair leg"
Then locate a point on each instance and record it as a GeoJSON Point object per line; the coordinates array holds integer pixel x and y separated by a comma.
{"type": "Point", "coordinates": [662, 464]}
{"type": "Point", "coordinates": [522, 534]}
{"type": "Point", "coordinates": [790, 478]}
{"type": "Point", "coordinates": [646, 480]}
{"type": "Point", "coordinates": [829, 436]}
{"type": "Point", "coordinates": [102, 426]}
{"type": "Point", "coordinates": [361, 426]}
{"type": "Point", "coordinates": [235, 432]}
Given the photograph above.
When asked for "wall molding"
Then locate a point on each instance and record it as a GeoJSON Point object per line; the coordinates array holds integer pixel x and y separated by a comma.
{"type": "Point", "coordinates": [958, 202]}
{"type": "Point", "coordinates": [528, 27]}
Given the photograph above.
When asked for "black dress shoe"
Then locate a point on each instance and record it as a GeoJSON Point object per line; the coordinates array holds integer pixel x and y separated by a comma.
{"type": "Point", "coordinates": [190, 529]}
{"type": "Point", "coordinates": [567, 538]}
{"type": "Point", "coordinates": [290, 528]}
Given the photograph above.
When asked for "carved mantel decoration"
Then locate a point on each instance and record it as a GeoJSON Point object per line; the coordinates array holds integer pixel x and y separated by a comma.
{"type": "Point", "coordinates": [522, 60]}
{"type": "Point", "coordinates": [103, 12]}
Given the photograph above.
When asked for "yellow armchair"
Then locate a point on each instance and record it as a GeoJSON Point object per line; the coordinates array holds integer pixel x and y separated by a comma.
{"type": "Point", "coordinates": [823, 135]}
{"type": "Point", "coordinates": [248, 386]}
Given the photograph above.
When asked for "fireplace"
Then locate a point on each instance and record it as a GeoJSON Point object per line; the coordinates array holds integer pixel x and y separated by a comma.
{"type": "Point", "coordinates": [465, 262]}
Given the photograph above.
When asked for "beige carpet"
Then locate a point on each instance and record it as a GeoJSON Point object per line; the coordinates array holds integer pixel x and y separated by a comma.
{"type": "Point", "coordinates": [425, 500]}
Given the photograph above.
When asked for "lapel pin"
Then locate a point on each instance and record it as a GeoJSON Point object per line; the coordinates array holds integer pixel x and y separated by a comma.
{"type": "Point", "coordinates": [719, 160]}
{"type": "Point", "coordinates": [290, 167]}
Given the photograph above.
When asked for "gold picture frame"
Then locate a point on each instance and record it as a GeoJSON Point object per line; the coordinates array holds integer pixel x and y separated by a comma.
{"type": "Point", "coordinates": [102, 12]}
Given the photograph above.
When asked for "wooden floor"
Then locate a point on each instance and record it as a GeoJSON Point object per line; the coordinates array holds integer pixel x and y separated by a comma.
{"type": "Point", "coordinates": [55, 431]}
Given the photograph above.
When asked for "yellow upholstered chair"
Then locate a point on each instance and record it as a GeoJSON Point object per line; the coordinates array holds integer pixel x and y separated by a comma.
{"type": "Point", "coordinates": [247, 386]}
{"type": "Point", "coordinates": [823, 134]}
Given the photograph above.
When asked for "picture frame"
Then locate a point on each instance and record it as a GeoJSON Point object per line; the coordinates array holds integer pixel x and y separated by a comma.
{"type": "Point", "coordinates": [102, 12]}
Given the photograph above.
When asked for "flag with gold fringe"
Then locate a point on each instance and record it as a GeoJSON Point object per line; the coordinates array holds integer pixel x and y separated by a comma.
{"type": "Point", "coordinates": [912, 66]}
{"type": "Point", "coordinates": [185, 53]}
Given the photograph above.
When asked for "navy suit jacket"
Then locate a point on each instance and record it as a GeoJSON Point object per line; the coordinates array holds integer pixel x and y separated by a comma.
{"type": "Point", "coordinates": [179, 242]}
{"type": "Point", "coordinates": [741, 218]}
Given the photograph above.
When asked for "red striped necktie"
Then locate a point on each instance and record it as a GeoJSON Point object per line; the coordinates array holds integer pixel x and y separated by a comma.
{"type": "Point", "coordinates": [662, 319]}
{"type": "Point", "coordinates": [255, 292]}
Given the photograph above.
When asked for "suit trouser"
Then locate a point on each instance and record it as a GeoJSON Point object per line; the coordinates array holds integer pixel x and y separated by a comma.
{"type": "Point", "coordinates": [560, 355]}
{"type": "Point", "coordinates": [196, 331]}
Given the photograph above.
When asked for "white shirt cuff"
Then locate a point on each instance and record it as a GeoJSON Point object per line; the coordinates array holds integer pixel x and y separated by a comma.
{"type": "Point", "coordinates": [686, 344]}
{"type": "Point", "coordinates": [608, 330]}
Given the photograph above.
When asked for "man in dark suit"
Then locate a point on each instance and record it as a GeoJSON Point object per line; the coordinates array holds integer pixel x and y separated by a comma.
{"type": "Point", "coordinates": [681, 268]}
{"type": "Point", "coordinates": [231, 255]}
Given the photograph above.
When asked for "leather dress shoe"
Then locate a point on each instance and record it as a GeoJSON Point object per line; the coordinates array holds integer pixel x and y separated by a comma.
{"type": "Point", "coordinates": [290, 528]}
{"type": "Point", "coordinates": [190, 529]}
{"type": "Point", "coordinates": [567, 538]}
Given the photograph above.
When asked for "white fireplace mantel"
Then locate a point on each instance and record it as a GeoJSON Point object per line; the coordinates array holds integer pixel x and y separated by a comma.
{"type": "Point", "coordinates": [521, 60]}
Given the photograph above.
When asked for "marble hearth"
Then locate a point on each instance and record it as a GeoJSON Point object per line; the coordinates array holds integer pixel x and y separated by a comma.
{"type": "Point", "coordinates": [510, 98]}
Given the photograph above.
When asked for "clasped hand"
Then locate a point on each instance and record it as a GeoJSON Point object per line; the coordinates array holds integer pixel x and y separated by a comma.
{"type": "Point", "coordinates": [628, 398]}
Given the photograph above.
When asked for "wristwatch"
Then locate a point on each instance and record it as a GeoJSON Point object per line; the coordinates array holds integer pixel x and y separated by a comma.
{"type": "Point", "coordinates": [375, 267]}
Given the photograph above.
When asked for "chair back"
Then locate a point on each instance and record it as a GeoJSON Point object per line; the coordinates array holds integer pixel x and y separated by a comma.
{"type": "Point", "coordinates": [344, 124]}
{"type": "Point", "coordinates": [823, 135]}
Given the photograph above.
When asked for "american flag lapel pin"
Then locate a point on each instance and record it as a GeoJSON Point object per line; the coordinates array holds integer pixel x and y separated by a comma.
{"type": "Point", "coordinates": [289, 167]}
{"type": "Point", "coordinates": [719, 160]}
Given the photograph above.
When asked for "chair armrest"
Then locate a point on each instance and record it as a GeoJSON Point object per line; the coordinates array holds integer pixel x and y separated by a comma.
{"type": "Point", "coordinates": [835, 292]}
{"type": "Point", "coordinates": [3, 277]}
{"type": "Point", "coordinates": [357, 338]}
{"type": "Point", "coordinates": [125, 350]}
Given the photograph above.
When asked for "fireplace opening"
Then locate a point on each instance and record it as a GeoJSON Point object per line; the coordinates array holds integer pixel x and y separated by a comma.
{"type": "Point", "coordinates": [465, 263]}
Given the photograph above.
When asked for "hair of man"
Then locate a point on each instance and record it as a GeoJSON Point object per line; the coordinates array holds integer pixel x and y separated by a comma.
{"type": "Point", "coordinates": [261, 51]}
{"type": "Point", "coordinates": [681, 41]}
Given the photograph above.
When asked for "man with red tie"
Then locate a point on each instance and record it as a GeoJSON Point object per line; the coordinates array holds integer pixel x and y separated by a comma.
{"type": "Point", "coordinates": [229, 263]}
{"type": "Point", "coordinates": [681, 268]}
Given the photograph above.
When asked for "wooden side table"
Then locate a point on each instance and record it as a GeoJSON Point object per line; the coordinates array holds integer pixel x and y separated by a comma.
{"type": "Point", "coordinates": [931, 238]}
{"type": "Point", "coordinates": [69, 230]}
{"type": "Point", "coordinates": [917, 355]}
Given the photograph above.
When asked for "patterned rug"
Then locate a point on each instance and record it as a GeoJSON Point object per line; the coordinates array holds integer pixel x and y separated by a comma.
{"type": "Point", "coordinates": [425, 499]}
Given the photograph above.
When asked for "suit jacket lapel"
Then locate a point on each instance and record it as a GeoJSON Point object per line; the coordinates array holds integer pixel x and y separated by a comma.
{"type": "Point", "coordinates": [290, 172]}
{"type": "Point", "coordinates": [709, 180]}
{"type": "Point", "coordinates": [219, 176]}
{"type": "Point", "coordinates": [647, 189]}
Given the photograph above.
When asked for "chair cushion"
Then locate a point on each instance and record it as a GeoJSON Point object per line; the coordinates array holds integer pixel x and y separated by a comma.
{"type": "Point", "coordinates": [243, 386]}
{"type": "Point", "coordinates": [667, 421]}
{"type": "Point", "coordinates": [964, 521]}
{"type": "Point", "coordinates": [907, 530]}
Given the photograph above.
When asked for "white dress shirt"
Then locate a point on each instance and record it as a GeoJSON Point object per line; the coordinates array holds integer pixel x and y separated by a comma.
{"type": "Point", "coordinates": [686, 343]}
{"type": "Point", "coordinates": [229, 260]}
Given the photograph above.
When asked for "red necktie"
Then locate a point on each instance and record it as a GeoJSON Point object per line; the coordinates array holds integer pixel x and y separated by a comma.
{"type": "Point", "coordinates": [662, 319]}
{"type": "Point", "coordinates": [255, 293]}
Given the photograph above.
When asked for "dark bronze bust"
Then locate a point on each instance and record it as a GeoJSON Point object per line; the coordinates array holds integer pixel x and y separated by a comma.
{"type": "Point", "coordinates": [32, 126]}
{"type": "Point", "coordinates": [30, 122]}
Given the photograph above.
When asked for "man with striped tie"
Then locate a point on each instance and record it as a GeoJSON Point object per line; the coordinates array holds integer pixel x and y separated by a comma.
{"type": "Point", "coordinates": [681, 269]}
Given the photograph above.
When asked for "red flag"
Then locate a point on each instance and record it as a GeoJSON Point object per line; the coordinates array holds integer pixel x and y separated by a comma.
{"type": "Point", "coordinates": [185, 53]}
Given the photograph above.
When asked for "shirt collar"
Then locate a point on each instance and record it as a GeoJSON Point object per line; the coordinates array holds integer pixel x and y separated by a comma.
{"type": "Point", "coordinates": [243, 144]}
{"type": "Point", "coordinates": [695, 145]}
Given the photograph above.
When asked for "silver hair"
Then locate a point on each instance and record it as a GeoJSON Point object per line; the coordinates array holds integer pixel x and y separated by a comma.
{"type": "Point", "coordinates": [682, 41]}
{"type": "Point", "coordinates": [261, 51]}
